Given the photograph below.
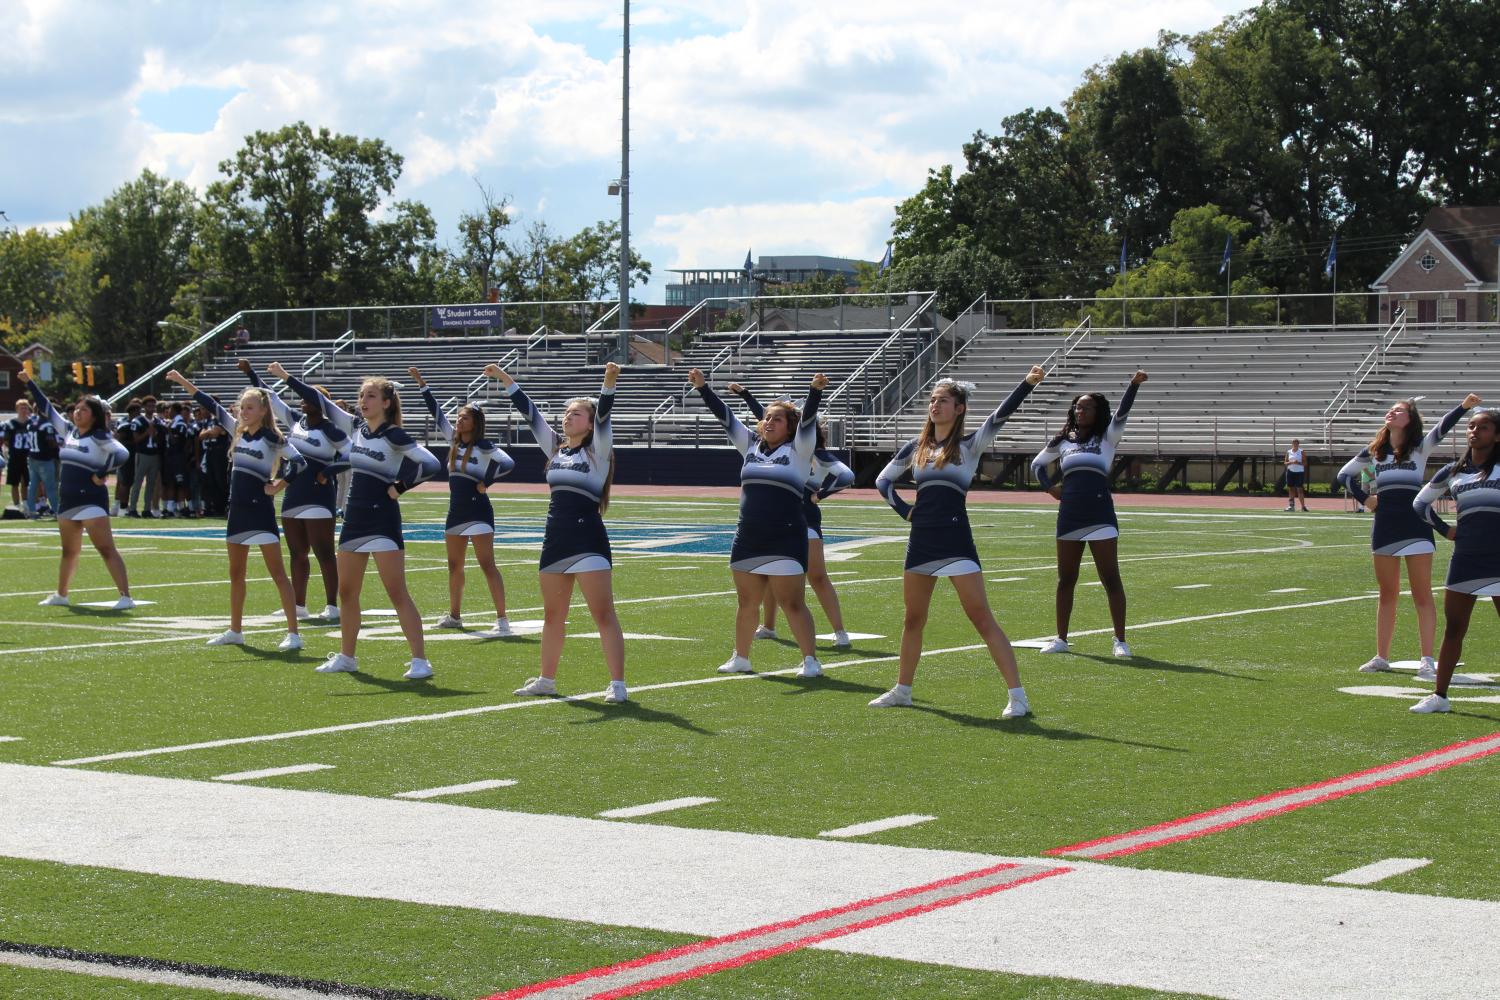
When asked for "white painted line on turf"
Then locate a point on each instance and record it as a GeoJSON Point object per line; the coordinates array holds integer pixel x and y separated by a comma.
{"type": "Point", "coordinates": [1007, 579]}
{"type": "Point", "coordinates": [853, 636]}
{"type": "Point", "coordinates": [652, 808]}
{"type": "Point", "coordinates": [472, 786]}
{"type": "Point", "coordinates": [664, 686]}
{"type": "Point", "coordinates": [1408, 693]}
{"type": "Point", "coordinates": [1192, 586]}
{"type": "Point", "coordinates": [878, 825]}
{"type": "Point", "coordinates": [1288, 590]}
{"type": "Point", "coordinates": [1379, 871]}
{"type": "Point", "coordinates": [272, 772]}
{"type": "Point", "coordinates": [11, 739]}
{"type": "Point", "coordinates": [148, 972]}
{"type": "Point", "coordinates": [110, 605]}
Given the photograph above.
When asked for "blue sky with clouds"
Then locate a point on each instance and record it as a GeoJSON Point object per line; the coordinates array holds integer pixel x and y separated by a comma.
{"type": "Point", "coordinates": [786, 127]}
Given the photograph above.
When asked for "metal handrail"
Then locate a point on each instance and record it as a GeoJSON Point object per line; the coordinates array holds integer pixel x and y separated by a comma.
{"type": "Point", "coordinates": [665, 406]}
{"type": "Point", "coordinates": [598, 324]}
{"type": "Point", "coordinates": [1349, 391]}
{"type": "Point", "coordinates": [1078, 335]}
{"type": "Point", "coordinates": [344, 342]}
{"type": "Point", "coordinates": [478, 385]}
{"type": "Point", "coordinates": [171, 361]}
{"type": "Point", "coordinates": [895, 336]}
{"type": "Point", "coordinates": [313, 363]}
{"type": "Point", "coordinates": [916, 360]}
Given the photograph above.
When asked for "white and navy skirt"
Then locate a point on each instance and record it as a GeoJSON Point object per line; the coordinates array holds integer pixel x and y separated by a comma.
{"type": "Point", "coordinates": [813, 514]}
{"type": "Point", "coordinates": [309, 500]}
{"type": "Point", "coordinates": [942, 549]}
{"type": "Point", "coordinates": [469, 511]}
{"type": "Point", "coordinates": [1397, 530]}
{"type": "Point", "coordinates": [575, 540]}
{"type": "Point", "coordinates": [372, 520]}
{"type": "Point", "coordinates": [1475, 567]}
{"type": "Point", "coordinates": [1087, 510]}
{"type": "Point", "coordinates": [253, 522]}
{"type": "Point", "coordinates": [81, 503]}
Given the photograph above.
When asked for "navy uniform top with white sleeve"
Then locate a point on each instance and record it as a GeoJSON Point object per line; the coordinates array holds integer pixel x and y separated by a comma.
{"type": "Point", "coordinates": [1475, 568]}
{"type": "Point", "coordinates": [941, 542]}
{"type": "Point", "coordinates": [379, 460]}
{"type": "Point", "coordinates": [325, 448]}
{"type": "Point", "coordinates": [83, 457]}
{"type": "Point", "coordinates": [575, 540]}
{"type": "Point", "coordinates": [771, 536]}
{"type": "Point", "coordinates": [471, 469]}
{"type": "Point", "coordinates": [1086, 512]}
{"type": "Point", "coordinates": [1397, 530]}
{"type": "Point", "coordinates": [254, 463]}
{"type": "Point", "coordinates": [827, 477]}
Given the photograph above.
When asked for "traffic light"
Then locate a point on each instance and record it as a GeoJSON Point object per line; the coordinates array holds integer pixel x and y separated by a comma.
{"type": "Point", "coordinates": [77, 373]}
{"type": "Point", "coordinates": [120, 372]}
{"type": "Point", "coordinates": [90, 370]}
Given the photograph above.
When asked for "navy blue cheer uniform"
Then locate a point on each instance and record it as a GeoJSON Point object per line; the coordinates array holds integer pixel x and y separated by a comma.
{"type": "Point", "coordinates": [380, 459]}
{"type": "Point", "coordinates": [771, 536]}
{"type": "Point", "coordinates": [827, 477]}
{"type": "Point", "coordinates": [325, 448]}
{"type": "Point", "coordinates": [1397, 530]}
{"type": "Point", "coordinates": [1087, 510]}
{"type": "Point", "coordinates": [575, 540]}
{"type": "Point", "coordinates": [941, 541]}
{"type": "Point", "coordinates": [254, 463]}
{"type": "Point", "coordinates": [472, 468]}
{"type": "Point", "coordinates": [83, 457]}
{"type": "Point", "coordinates": [1475, 567]}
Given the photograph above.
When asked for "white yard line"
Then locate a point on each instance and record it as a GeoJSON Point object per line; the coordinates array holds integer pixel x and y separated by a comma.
{"type": "Point", "coordinates": [1239, 938]}
{"type": "Point", "coordinates": [1379, 871]}
{"type": "Point", "coordinates": [272, 772]}
{"type": "Point", "coordinates": [1288, 590]}
{"type": "Point", "coordinates": [1192, 586]}
{"type": "Point", "coordinates": [664, 686]}
{"type": "Point", "coordinates": [11, 739]}
{"type": "Point", "coordinates": [652, 808]}
{"type": "Point", "coordinates": [472, 786]}
{"type": "Point", "coordinates": [878, 825]}
{"type": "Point", "coordinates": [144, 972]}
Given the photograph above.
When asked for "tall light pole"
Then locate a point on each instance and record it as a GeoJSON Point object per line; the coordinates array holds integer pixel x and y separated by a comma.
{"type": "Point", "coordinates": [624, 317]}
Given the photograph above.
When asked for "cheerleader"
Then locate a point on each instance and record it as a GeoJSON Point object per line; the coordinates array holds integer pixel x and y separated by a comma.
{"type": "Point", "coordinates": [1397, 459]}
{"type": "Point", "coordinates": [944, 460]}
{"type": "Point", "coordinates": [385, 463]}
{"type": "Point", "coordinates": [307, 509]}
{"type": "Point", "coordinates": [1085, 451]}
{"type": "Point", "coordinates": [1474, 483]}
{"type": "Point", "coordinates": [575, 548]}
{"type": "Point", "coordinates": [828, 477]}
{"type": "Point", "coordinates": [474, 463]}
{"type": "Point", "coordinates": [88, 454]}
{"type": "Point", "coordinates": [770, 542]}
{"type": "Point", "coordinates": [258, 454]}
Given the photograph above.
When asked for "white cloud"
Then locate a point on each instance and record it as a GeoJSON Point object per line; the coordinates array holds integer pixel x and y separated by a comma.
{"type": "Point", "coordinates": [718, 236]}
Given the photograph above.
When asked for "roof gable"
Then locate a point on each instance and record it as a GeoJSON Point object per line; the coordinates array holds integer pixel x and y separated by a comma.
{"type": "Point", "coordinates": [1423, 238]}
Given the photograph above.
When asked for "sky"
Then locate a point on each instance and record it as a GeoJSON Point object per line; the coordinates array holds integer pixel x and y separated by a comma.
{"type": "Point", "coordinates": [775, 127]}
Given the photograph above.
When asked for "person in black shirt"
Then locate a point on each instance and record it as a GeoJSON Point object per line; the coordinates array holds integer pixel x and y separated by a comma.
{"type": "Point", "coordinates": [147, 458]}
{"type": "Point", "coordinates": [125, 434]}
{"type": "Point", "coordinates": [15, 434]}
{"type": "Point", "coordinates": [43, 467]}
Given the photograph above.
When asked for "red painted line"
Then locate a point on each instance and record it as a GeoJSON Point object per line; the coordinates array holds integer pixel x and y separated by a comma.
{"type": "Point", "coordinates": [1272, 797]}
{"type": "Point", "coordinates": [764, 953]}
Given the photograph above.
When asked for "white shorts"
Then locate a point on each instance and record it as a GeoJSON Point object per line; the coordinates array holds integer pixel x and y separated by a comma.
{"type": "Point", "coordinates": [310, 512]}
{"type": "Point", "coordinates": [83, 513]}
{"type": "Point", "coordinates": [254, 538]}
{"type": "Point", "coordinates": [469, 530]}
{"type": "Point", "coordinates": [770, 567]}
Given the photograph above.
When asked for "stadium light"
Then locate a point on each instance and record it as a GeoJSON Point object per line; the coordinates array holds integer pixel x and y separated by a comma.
{"type": "Point", "coordinates": [614, 188]}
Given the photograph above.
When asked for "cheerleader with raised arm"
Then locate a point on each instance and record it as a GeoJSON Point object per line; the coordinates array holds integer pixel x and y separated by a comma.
{"type": "Point", "coordinates": [943, 460]}
{"type": "Point", "coordinates": [1474, 572]}
{"type": "Point", "coordinates": [770, 541]}
{"type": "Point", "coordinates": [474, 464]}
{"type": "Point", "coordinates": [575, 548]}
{"type": "Point", "coordinates": [1397, 461]}
{"type": "Point", "coordinates": [88, 453]}
{"type": "Point", "coordinates": [828, 477]}
{"type": "Point", "coordinates": [262, 462]}
{"type": "Point", "coordinates": [386, 462]}
{"type": "Point", "coordinates": [1085, 452]}
{"type": "Point", "coordinates": [307, 510]}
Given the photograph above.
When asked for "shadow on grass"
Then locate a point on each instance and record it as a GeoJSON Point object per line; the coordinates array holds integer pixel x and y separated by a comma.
{"type": "Point", "coordinates": [804, 685]}
{"type": "Point", "coordinates": [1030, 726]}
{"type": "Point", "coordinates": [1139, 662]}
{"type": "Point", "coordinates": [636, 711]}
{"type": "Point", "coordinates": [422, 689]}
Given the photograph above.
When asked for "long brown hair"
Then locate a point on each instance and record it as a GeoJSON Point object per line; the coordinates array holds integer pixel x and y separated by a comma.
{"type": "Point", "coordinates": [927, 440]}
{"type": "Point", "coordinates": [1380, 445]}
{"type": "Point", "coordinates": [592, 405]}
{"type": "Point", "coordinates": [389, 394]}
{"type": "Point", "coordinates": [477, 415]}
{"type": "Point", "coordinates": [790, 414]}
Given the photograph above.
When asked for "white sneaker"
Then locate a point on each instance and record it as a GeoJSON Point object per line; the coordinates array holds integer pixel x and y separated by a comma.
{"type": "Point", "coordinates": [1015, 708]}
{"type": "Point", "coordinates": [810, 667]}
{"type": "Point", "coordinates": [291, 643]}
{"type": "Point", "coordinates": [229, 638]}
{"type": "Point", "coordinates": [1122, 650]}
{"type": "Point", "coordinates": [418, 670]}
{"type": "Point", "coordinates": [330, 613]}
{"type": "Point", "coordinates": [615, 694]}
{"type": "Point", "coordinates": [538, 686]}
{"type": "Point", "coordinates": [894, 698]}
{"type": "Point", "coordinates": [736, 665]}
{"type": "Point", "coordinates": [1428, 670]}
{"type": "Point", "coordinates": [1431, 703]}
{"type": "Point", "coordinates": [302, 613]}
{"type": "Point", "coordinates": [1375, 665]}
{"type": "Point", "coordinates": [55, 601]}
{"type": "Point", "coordinates": [841, 640]}
{"type": "Point", "coordinates": [448, 621]}
{"type": "Point", "coordinates": [761, 632]}
{"type": "Point", "coordinates": [1055, 646]}
{"type": "Point", "coordinates": [338, 663]}
{"type": "Point", "coordinates": [123, 603]}
{"type": "Point", "coordinates": [502, 628]}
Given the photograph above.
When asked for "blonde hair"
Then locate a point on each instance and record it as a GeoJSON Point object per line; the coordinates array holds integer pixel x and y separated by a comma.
{"type": "Point", "coordinates": [592, 405]}
{"type": "Point", "coordinates": [267, 423]}
{"type": "Point", "coordinates": [389, 394]}
{"type": "Point", "coordinates": [927, 440]}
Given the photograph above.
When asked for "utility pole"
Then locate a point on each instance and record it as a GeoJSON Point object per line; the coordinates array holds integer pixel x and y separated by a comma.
{"type": "Point", "coordinates": [624, 317]}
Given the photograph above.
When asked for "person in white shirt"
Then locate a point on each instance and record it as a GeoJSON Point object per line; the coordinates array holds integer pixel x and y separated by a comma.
{"type": "Point", "coordinates": [1296, 476]}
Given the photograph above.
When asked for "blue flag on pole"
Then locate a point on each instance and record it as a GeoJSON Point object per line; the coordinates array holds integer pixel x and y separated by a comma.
{"type": "Point", "coordinates": [749, 265]}
{"type": "Point", "coordinates": [885, 262]}
{"type": "Point", "coordinates": [1224, 264]}
{"type": "Point", "coordinates": [1122, 254]}
{"type": "Point", "coordinates": [1333, 256]}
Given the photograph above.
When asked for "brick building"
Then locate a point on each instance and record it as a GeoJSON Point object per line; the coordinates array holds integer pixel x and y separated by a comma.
{"type": "Point", "coordinates": [1447, 273]}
